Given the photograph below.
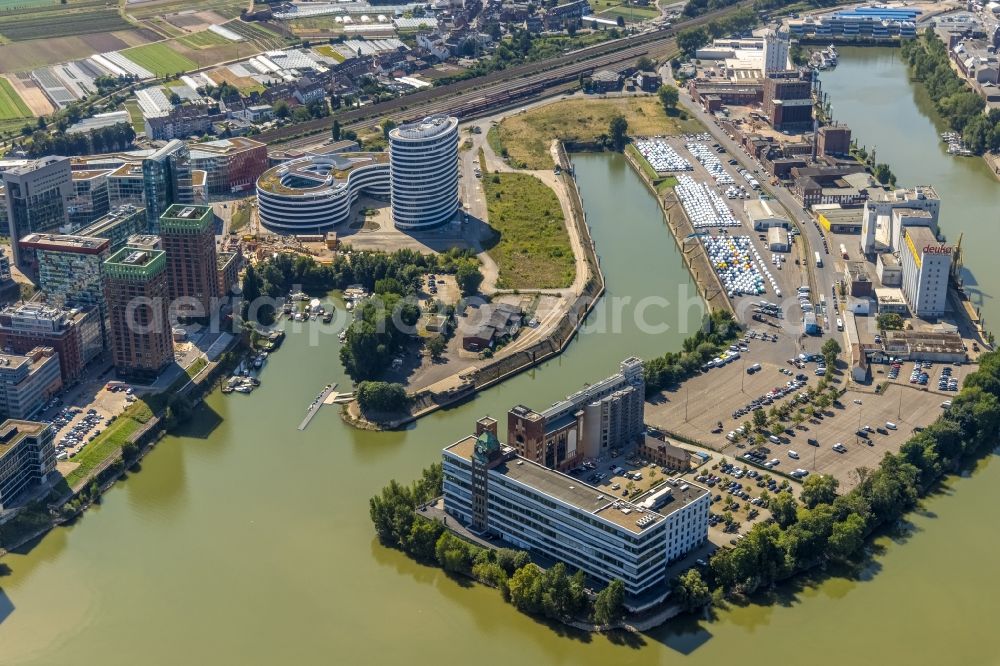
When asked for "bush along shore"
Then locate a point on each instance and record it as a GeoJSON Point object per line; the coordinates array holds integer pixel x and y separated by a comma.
{"type": "Point", "coordinates": [823, 528]}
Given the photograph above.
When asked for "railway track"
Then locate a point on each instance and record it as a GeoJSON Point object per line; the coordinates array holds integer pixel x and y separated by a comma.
{"type": "Point", "coordinates": [465, 98]}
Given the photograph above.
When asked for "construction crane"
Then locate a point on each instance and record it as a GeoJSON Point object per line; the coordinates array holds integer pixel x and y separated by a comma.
{"type": "Point", "coordinates": [956, 263]}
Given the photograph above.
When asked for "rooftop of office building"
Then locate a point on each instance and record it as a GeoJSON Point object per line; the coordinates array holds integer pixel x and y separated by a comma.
{"type": "Point", "coordinates": [222, 147]}
{"type": "Point", "coordinates": [89, 174]}
{"type": "Point", "coordinates": [427, 128]}
{"type": "Point", "coordinates": [314, 173]}
{"type": "Point", "coordinates": [41, 312]}
{"type": "Point", "coordinates": [582, 496]}
{"type": "Point", "coordinates": [65, 243]}
{"type": "Point", "coordinates": [33, 165]}
{"type": "Point", "coordinates": [13, 431]}
{"type": "Point", "coordinates": [919, 192]}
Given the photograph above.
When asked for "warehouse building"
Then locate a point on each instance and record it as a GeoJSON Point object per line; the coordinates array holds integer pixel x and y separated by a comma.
{"type": "Point", "coordinates": [926, 267]}
{"type": "Point", "coordinates": [891, 301]}
{"type": "Point", "coordinates": [763, 215]}
{"type": "Point", "coordinates": [778, 240]}
{"type": "Point", "coordinates": [881, 232]}
{"type": "Point", "coordinates": [837, 219]}
{"type": "Point", "coordinates": [889, 270]}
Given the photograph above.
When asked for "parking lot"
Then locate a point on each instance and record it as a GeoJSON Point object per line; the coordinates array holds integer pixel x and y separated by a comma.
{"type": "Point", "coordinates": [694, 410]}
{"type": "Point", "coordinates": [814, 440]}
{"type": "Point", "coordinates": [712, 182]}
{"type": "Point", "coordinates": [905, 376]}
{"type": "Point", "coordinates": [80, 420]}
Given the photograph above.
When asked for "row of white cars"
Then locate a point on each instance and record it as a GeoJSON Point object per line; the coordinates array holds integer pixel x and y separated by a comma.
{"type": "Point", "coordinates": [661, 155]}
{"type": "Point", "coordinates": [710, 161]}
{"type": "Point", "coordinates": [703, 205]}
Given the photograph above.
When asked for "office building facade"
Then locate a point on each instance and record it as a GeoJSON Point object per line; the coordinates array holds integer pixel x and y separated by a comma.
{"type": "Point", "coordinates": [135, 286]}
{"type": "Point", "coordinates": [230, 165]}
{"type": "Point", "coordinates": [495, 492]}
{"type": "Point", "coordinates": [37, 195]}
{"type": "Point", "coordinates": [166, 180]}
{"type": "Point", "coordinates": [91, 198]}
{"type": "Point", "coordinates": [74, 333]}
{"type": "Point", "coordinates": [68, 267]}
{"type": "Point", "coordinates": [27, 456]}
{"type": "Point", "coordinates": [423, 166]}
{"type": "Point", "coordinates": [27, 381]}
{"type": "Point", "coordinates": [117, 225]}
{"type": "Point", "coordinates": [589, 424]}
{"type": "Point", "coordinates": [188, 235]}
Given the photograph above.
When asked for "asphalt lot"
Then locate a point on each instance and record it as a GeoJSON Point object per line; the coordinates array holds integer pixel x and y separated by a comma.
{"type": "Point", "coordinates": [695, 408]}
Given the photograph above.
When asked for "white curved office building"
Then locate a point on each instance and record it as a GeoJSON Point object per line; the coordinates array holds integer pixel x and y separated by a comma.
{"type": "Point", "coordinates": [316, 192]}
{"type": "Point", "coordinates": [423, 162]}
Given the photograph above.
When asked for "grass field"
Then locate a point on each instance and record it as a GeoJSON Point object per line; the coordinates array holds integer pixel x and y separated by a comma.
{"type": "Point", "coordinates": [21, 5]}
{"type": "Point", "coordinates": [203, 39]}
{"type": "Point", "coordinates": [135, 113]}
{"type": "Point", "coordinates": [160, 59]}
{"type": "Point", "coordinates": [531, 245]}
{"type": "Point", "coordinates": [109, 442]}
{"type": "Point", "coordinates": [11, 104]}
{"type": "Point", "coordinates": [630, 14]}
{"type": "Point", "coordinates": [526, 136]}
{"type": "Point", "coordinates": [329, 52]}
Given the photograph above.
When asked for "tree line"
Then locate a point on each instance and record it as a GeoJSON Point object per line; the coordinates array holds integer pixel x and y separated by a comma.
{"type": "Point", "coordinates": [554, 593]}
{"type": "Point", "coordinates": [719, 330]}
{"type": "Point", "coordinates": [962, 107]}
{"type": "Point", "coordinates": [101, 140]}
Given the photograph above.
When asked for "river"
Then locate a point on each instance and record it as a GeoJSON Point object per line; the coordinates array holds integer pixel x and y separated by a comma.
{"type": "Point", "coordinates": [245, 541]}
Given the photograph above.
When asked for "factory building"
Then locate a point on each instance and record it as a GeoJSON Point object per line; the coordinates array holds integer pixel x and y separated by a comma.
{"type": "Point", "coordinates": [886, 213]}
{"type": "Point", "coordinates": [788, 100]}
{"type": "Point", "coordinates": [926, 266]}
{"type": "Point", "coordinates": [588, 424]}
{"type": "Point", "coordinates": [762, 215]}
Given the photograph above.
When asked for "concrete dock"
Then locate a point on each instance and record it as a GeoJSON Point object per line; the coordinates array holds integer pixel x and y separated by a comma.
{"type": "Point", "coordinates": [316, 404]}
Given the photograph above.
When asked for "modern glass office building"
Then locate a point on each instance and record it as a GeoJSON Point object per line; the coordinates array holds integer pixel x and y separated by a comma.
{"type": "Point", "coordinates": [423, 163]}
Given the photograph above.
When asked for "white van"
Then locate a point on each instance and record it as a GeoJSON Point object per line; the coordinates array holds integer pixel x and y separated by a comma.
{"type": "Point", "coordinates": [890, 425]}
{"type": "Point", "coordinates": [803, 289]}
{"type": "Point", "coordinates": [840, 324]}
{"type": "Point", "coordinates": [793, 455]}
{"type": "Point", "coordinates": [774, 439]}
{"type": "Point", "coordinates": [731, 436]}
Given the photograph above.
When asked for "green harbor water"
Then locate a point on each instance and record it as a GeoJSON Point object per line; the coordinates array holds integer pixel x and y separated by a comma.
{"type": "Point", "coordinates": [245, 541]}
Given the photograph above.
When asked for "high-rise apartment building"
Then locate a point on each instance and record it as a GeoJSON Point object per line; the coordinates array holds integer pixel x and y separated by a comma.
{"type": "Point", "coordinates": [75, 334]}
{"type": "Point", "coordinates": [37, 194]}
{"type": "Point", "coordinates": [135, 286]}
{"type": "Point", "coordinates": [27, 455]}
{"type": "Point", "coordinates": [188, 234]}
{"type": "Point", "coordinates": [166, 180]}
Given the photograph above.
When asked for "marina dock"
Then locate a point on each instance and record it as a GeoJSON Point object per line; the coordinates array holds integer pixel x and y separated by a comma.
{"type": "Point", "coordinates": [316, 404]}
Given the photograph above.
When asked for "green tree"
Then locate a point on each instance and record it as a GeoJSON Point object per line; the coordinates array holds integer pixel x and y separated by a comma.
{"type": "Point", "coordinates": [847, 537]}
{"type": "Point", "coordinates": [620, 21]}
{"type": "Point", "coordinates": [469, 277]}
{"type": "Point", "coordinates": [617, 131]}
{"type": "Point", "coordinates": [819, 489]}
{"type": "Point", "coordinates": [783, 509]}
{"type": "Point", "coordinates": [691, 39]}
{"type": "Point", "coordinates": [644, 64]}
{"type": "Point", "coordinates": [669, 96]}
{"type": "Point", "coordinates": [381, 397]}
{"type": "Point", "coordinates": [890, 321]}
{"type": "Point", "coordinates": [387, 126]}
{"type": "Point", "coordinates": [335, 130]}
{"type": "Point", "coordinates": [525, 589]}
{"type": "Point", "coordinates": [691, 590]}
{"type": "Point", "coordinates": [281, 110]}
{"type": "Point", "coordinates": [759, 418]}
{"type": "Point", "coordinates": [609, 604]}
{"type": "Point", "coordinates": [830, 350]}
{"type": "Point", "coordinates": [436, 346]}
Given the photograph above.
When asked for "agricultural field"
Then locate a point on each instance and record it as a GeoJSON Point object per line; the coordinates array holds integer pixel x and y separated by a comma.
{"type": "Point", "coordinates": [226, 8]}
{"type": "Point", "coordinates": [11, 104]}
{"type": "Point", "coordinates": [266, 39]}
{"type": "Point", "coordinates": [59, 21]}
{"type": "Point", "coordinates": [160, 58]}
{"type": "Point", "coordinates": [527, 136]}
{"type": "Point", "coordinates": [135, 113]}
{"type": "Point", "coordinates": [203, 40]}
{"type": "Point", "coordinates": [316, 27]}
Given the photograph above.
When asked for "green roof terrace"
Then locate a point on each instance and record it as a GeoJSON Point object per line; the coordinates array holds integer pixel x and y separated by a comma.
{"type": "Point", "coordinates": [186, 218]}
{"type": "Point", "coordinates": [130, 263]}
